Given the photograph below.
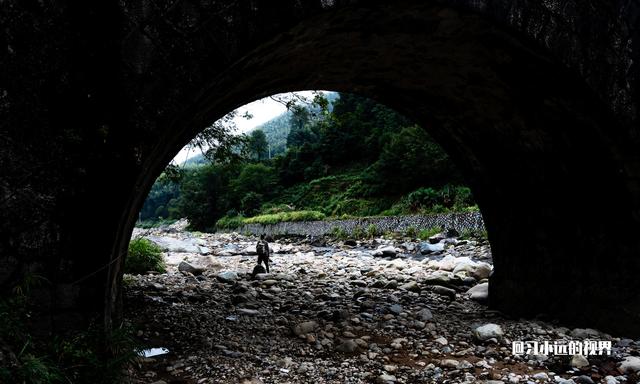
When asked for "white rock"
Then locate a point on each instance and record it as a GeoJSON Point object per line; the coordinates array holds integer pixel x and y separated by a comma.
{"type": "Point", "coordinates": [449, 363]}
{"type": "Point", "coordinates": [541, 376]}
{"type": "Point", "coordinates": [479, 292]}
{"type": "Point", "coordinates": [170, 244]}
{"type": "Point", "coordinates": [488, 331]}
{"type": "Point", "coordinates": [248, 312]}
{"type": "Point", "coordinates": [388, 250]}
{"type": "Point", "coordinates": [382, 379]}
{"type": "Point", "coordinates": [441, 341]}
{"type": "Point", "coordinates": [611, 380]}
{"type": "Point", "coordinates": [481, 271]}
{"type": "Point", "coordinates": [579, 361]}
{"type": "Point", "coordinates": [630, 364]}
{"type": "Point", "coordinates": [426, 247]}
{"type": "Point", "coordinates": [398, 264]}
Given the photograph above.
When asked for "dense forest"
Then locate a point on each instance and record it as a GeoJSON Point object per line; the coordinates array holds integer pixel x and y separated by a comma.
{"type": "Point", "coordinates": [338, 156]}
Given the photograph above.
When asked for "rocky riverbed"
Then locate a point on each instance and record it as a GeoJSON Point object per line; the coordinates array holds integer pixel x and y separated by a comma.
{"type": "Point", "coordinates": [371, 311]}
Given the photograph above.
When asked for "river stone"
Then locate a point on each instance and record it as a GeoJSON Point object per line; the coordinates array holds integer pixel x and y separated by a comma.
{"type": "Point", "coordinates": [449, 363]}
{"type": "Point", "coordinates": [584, 333]}
{"type": "Point", "coordinates": [385, 251]}
{"type": "Point", "coordinates": [186, 267]}
{"type": "Point", "coordinates": [464, 264]}
{"type": "Point", "coordinates": [488, 331]}
{"type": "Point", "coordinates": [579, 361]}
{"type": "Point", "coordinates": [305, 327]}
{"type": "Point", "coordinates": [170, 244]}
{"type": "Point", "coordinates": [441, 340]}
{"type": "Point", "coordinates": [426, 247]}
{"type": "Point", "coordinates": [248, 312]}
{"type": "Point", "coordinates": [227, 277]}
{"type": "Point", "coordinates": [479, 293]}
{"type": "Point", "coordinates": [444, 291]}
{"type": "Point", "coordinates": [411, 286]}
{"type": "Point", "coordinates": [481, 271]}
{"type": "Point", "coordinates": [425, 314]}
{"type": "Point", "coordinates": [541, 376]}
{"type": "Point", "coordinates": [395, 308]}
{"type": "Point", "coordinates": [384, 379]}
{"type": "Point", "coordinates": [398, 264]}
{"type": "Point", "coordinates": [630, 364]}
{"type": "Point", "coordinates": [439, 278]}
{"type": "Point", "coordinates": [347, 346]}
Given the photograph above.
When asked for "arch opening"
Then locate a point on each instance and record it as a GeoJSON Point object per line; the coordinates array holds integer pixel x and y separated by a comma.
{"type": "Point", "coordinates": [321, 272]}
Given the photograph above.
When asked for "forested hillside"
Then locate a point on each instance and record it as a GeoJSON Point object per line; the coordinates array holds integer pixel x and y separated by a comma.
{"type": "Point", "coordinates": [352, 157]}
{"type": "Point", "coordinates": [277, 129]}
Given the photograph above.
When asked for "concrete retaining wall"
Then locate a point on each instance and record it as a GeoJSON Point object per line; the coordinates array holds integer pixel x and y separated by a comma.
{"type": "Point", "coordinates": [459, 221]}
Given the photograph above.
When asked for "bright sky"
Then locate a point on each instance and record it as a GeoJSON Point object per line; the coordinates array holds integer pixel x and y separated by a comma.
{"type": "Point", "coordinates": [262, 110]}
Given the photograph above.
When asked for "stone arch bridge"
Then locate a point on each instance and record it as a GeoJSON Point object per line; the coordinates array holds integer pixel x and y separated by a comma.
{"type": "Point", "coordinates": [537, 103]}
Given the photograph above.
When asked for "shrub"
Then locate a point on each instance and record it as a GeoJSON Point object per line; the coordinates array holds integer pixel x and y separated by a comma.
{"type": "Point", "coordinates": [286, 216]}
{"type": "Point", "coordinates": [230, 222]}
{"type": "Point", "coordinates": [144, 256]}
{"type": "Point", "coordinates": [81, 358]}
{"type": "Point", "coordinates": [411, 232]}
{"type": "Point", "coordinates": [427, 233]}
{"type": "Point", "coordinates": [338, 233]}
{"type": "Point", "coordinates": [421, 198]}
{"type": "Point", "coordinates": [270, 209]}
{"type": "Point", "coordinates": [358, 232]}
{"type": "Point", "coordinates": [372, 231]}
{"type": "Point", "coordinates": [478, 234]}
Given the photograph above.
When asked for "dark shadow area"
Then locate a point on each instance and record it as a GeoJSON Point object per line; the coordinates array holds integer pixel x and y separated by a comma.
{"type": "Point", "coordinates": [535, 103]}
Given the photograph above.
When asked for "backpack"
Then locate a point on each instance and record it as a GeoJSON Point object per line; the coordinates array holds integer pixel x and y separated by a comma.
{"type": "Point", "coordinates": [261, 248]}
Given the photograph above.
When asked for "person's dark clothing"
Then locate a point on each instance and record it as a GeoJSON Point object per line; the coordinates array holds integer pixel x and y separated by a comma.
{"type": "Point", "coordinates": [262, 248]}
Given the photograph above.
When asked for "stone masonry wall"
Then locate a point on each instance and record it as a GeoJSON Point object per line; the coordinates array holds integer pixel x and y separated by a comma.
{"type": "Point", "coordinates": [457, 221]}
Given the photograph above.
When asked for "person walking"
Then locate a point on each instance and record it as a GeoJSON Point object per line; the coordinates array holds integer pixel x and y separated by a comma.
{"type": "Point", "coordinates": [262, 249]}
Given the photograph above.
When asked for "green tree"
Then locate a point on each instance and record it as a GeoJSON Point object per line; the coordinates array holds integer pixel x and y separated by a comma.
{"type": "Point", "coordinates": [251, 203]}
{"type": "Point", "coordinates": [301, 128]}
{"type": "Point", "coordinates": [205, 194]}
{"type": "Point", "coordinates": [258, 146]}
{"type": "Point", "coordinates": [161, 200]}
{"type": "Point", "coordinates": [411, 159]}
{"type": "Point", "coordinates": [257, 178]}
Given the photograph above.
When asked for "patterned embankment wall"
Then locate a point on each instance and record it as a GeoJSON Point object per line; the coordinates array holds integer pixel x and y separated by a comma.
{"type": "Point", "coordinates": [458, 221]}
